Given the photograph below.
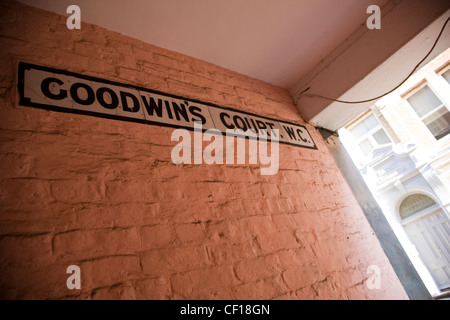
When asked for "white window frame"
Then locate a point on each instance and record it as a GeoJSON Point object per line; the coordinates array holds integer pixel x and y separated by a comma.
{"type": "Point", "coordinates": [369, 134]}
{"type": "Point", "coordinates": [417, 89]}
{"type": "Point", "coordinates": [442, 71]}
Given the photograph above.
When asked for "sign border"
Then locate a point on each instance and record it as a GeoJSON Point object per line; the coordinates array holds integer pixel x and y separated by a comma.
{"type": "Point", "coordinates": [24, 101]}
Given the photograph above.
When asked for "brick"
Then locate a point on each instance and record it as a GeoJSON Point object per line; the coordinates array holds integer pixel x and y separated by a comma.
{"type": "Point", "coordinates": [199, 67]}
{"type": "Point", "coordinates": [286, 296]}
{"type": "Point", "coordinates": [350, 276]}
{"type": "Point", "coordinates": [283, 222]}
{"type": "Point", "coordinates": [26, 250]}
{"type": "Point", "coordinates": [300, 277]}
{"type": "Point", "coordinates": [306, 293]}
{"type": "Point", "coordinates": [139, 52]}
{"type": "Point", "coordinates": [116, 292]}
{"type": "Point", "coordinates": [174, 260]}
{"type": "Point", "coordinates": [286, 190]}
{"type": "Point", "coordinates": [193, 283]}
{"type": "Point", "coordinates": [98, 37]}
{"type": "Point", "coordinates": [109, 271]}
{"type": "Point", "coordinates": [214, 191]}
{"type": "Point", "coordinates": [254, 226]}
{"type": "Point", "coordinates": [295, 258]}
{"type": "Point", "coordinates": [88, 49]}
{"type": "Point", "coordinates": [326, 290]}
{"type": "Point", "coordinates": [16, 165]}
{"type": "Point", "coordinates": [153, 289]}
{"type": "Point", "coordinates": [200, 212]}
{"type": "Point", "coordinates": [254, 206]}
{"type": "Point", "coordinates": [233, 101]}
{"type": "Point", "coordinates": [285, 205]}
{"type": "Point", "coordinates": [24, 194]}
{"type": "Point", "coordinates": [36, 282]}
{"type": "Point", "coordinates": [258, 268]}
{"type": "Point", "coordinates": [76, 191]}
{"type": "Point", "coordinates": [324, 251]}
{"type": "Point", "coordinates": [246, 191]}
{"type": "Point", "coordinates": [268, 288]}
{"type": "Point", "coordinates": [222, 231]}
{"type": "Point", "coordinates": [228, 209]}
{"type": "Point", "coordinates": [239, 174]}
{"type": "Point", "coordinates": [270, 190]}
{"type": "Point", "coordinates": [227, 253]}
{"type": "Point", "coordinates": [190, 232]}
{"type": "Point", "coordinates": [120, 191]}
{"type": "Point", "coordinates": [213, 293]}
{"type": "Point", "coordinates": [271, 242]}
{"type": "Point", "coordinates": [171, 62]}
{"type": "Point", "coordinates": [185, 89]}
{"type": "Point", "coordinates": [205, 83]}
{"type": "Point", "coordinates": [156, 236]}
{"type": "Point", "coordinates": [85, 244]}
{"type": "Point", "coordinates": [219, 77]}
{"type": "Point", "coordinates": [120, 215]}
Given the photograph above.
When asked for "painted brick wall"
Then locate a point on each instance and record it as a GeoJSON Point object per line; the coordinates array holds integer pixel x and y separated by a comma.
{"type": "Point", "coordinates": [104, 195]}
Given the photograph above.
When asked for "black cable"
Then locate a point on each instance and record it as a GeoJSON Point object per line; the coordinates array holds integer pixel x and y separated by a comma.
{"type": "Point", "coordinates": [384, 94]}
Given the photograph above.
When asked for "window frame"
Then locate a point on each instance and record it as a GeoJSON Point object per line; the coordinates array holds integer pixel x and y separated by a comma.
{"type": "Point", "coordinates": [369, 135]}
{"type": "Point", "coordinates": [443, 70]}
{"type": "Point", "coordinates": [416, 89]}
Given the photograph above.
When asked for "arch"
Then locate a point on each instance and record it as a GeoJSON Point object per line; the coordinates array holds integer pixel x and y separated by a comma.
{"type": "Point", "coordinates": [410, 190]}
{"type": "Point", "coordinates": [414, 203]}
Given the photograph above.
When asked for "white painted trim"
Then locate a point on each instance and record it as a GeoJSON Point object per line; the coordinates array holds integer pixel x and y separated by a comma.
{"type": "Point", "coordinates": [418, 215]}
{"type": "Point", "coordinates": [386, 76]}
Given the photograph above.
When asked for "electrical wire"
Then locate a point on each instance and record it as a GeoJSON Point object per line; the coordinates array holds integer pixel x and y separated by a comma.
{"type": "Point", "coordinates": [390, 91]}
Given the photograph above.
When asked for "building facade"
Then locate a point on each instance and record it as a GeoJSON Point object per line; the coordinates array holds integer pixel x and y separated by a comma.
{"type": "Point", "coordinates": [402, 149]}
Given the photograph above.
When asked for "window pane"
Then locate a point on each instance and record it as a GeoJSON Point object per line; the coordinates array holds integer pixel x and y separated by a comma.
{"type": "Point", "coordinates": [415, 203]}
{"type": "Point", "coordinates": [366, 147]}
{"type": "Point", "coordinates": [446, 75]}
{"type": "Point", "coordinates": [381, 137]}
{"type": "Point", "coordinates": [362, 128]}
{"type": "Point", "coordinates": [424, 101]}
{"type": "Point", "coordinates": [438, 122]}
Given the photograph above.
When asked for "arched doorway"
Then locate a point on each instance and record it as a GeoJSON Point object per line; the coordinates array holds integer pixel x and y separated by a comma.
{"type": "Point", "coordinates": [428, 227]}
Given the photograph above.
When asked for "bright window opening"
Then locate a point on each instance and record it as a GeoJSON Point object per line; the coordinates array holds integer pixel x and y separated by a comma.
{"type": "Point", "coordinates": [433, 113]}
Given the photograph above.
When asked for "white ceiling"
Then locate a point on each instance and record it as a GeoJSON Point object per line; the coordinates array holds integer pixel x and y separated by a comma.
{"type": "Point", "coordinates": [277, 41]}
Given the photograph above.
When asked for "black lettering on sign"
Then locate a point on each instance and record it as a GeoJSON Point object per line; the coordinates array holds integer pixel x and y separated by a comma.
{"type": "Point", "coordinates": [45, 88]}
{"type": "Point", "coordinates": [169, 112]}
{"type": "Point", "coordinates": [196, 111]}
{"type": "Point", "coordinates": [290, 132]}
{"type": "Point", "coordinates": [180, 110]}
{"type": "Point", "coordinates": [240, 123]}
{"type": "Point", "coordinates": [228, 125]}
{"type": "Point", "coordinates": [109, 103]}
{"type": "Point", "coordinates": [85, 96]}
{"type": "Point", "coordinates": [65, 91]}
{"type": "Point", "coordinates": [300, 135]}
{"type": "Point", "coordinates": [271, 125]}
{"type": "Point", "coordinates": [151, 105]}
{"type": "Point", "coordinates": [125, 97]}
